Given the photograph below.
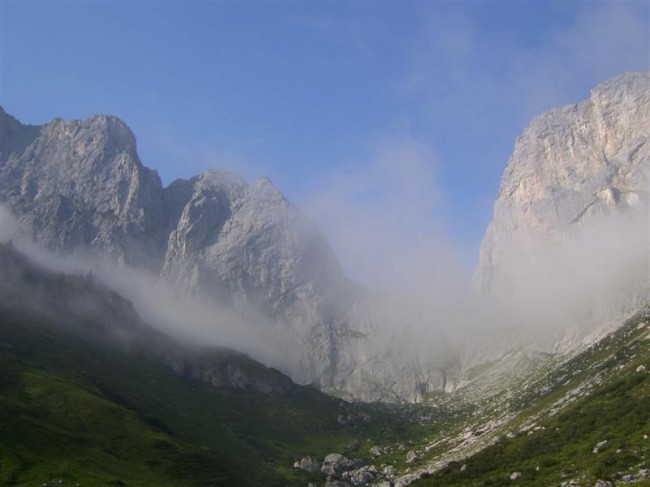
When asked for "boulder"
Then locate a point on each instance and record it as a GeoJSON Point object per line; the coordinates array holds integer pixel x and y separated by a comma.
{"type": "Point", "coordinates": [411, 457]}
{"type": "Point", "coordinates": [308, 464]}
{"type": "Point", "coordinates": [336, 464]}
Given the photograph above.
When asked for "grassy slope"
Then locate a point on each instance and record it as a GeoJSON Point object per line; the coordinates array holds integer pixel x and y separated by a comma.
{"type": "Point", "coordinates": [75, 409]}
{"type": "Point", "coordinates": [614, 405]}
{"type": "Point", "coordinates": [81, 412]}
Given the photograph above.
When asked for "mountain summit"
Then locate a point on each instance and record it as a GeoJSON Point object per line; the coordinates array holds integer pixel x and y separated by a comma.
{"type": "Point", "coordinates": [570, 237]}
{"type": "Point", "coordinates": [79, 187]}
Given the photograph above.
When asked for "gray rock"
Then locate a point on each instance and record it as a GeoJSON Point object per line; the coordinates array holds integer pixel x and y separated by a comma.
{"type": "Point", "coordinates": [336, 483]}
{"type": "Point", "coordinates": [80, 187]}
{"type": "Point", "coordinates": [411, 457]}
{"type": "Point", "coordinates": [376, 451]}
{"type": "Point", "coordinates": [390, 471]}
{"type": "Point", "coordinates": [599, 445]}
{"type": "Point", "coordinates": [361, 477]}
{"type": "Point", "coordinates": [515, 475]}
{"type": "Point", "coordinates": [308, 464]}
{"type": "Point", "coordinates": [570, 167]}
{"type": "Point", "coordinates": [336, 464]}
{"type": "Point", "coordinates": [603, 483]}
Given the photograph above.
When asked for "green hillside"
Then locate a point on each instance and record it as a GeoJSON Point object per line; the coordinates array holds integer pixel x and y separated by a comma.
{"type": "Point", "coordinates": [94, 415]}
{"type": "Point", "coordinates": [584, 420]}
{"type": "Point", "coordinates": [92, 396]}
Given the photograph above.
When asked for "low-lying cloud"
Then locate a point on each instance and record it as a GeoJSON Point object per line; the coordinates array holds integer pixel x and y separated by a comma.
{"type": "Point", "coordinates": [194, 321]}
{"type": "Point", "coordinates": [386, 221]}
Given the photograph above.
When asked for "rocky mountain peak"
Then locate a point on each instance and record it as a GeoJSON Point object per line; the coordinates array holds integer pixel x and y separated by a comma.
{"type": "Point", "coordinates": [14, 136]}
{"type": "Point", "coordinates": [80, 186]}
{"type": "Point", "coordinates": [264, 188]}
{"type": "Point", "coordinates": [224, 180]}
{"type": "Point", "coordinates": [570, 168]}
{"type": "Point", "coordinates": [96, 130]}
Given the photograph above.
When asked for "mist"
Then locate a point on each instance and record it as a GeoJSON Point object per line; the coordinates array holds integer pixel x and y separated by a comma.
{"type": "Point", "coordinates": [386, 220]}
{"type": "Point", "coordinates": [194, 321]}
{"type": "Point", "coordinates": [600, 272]}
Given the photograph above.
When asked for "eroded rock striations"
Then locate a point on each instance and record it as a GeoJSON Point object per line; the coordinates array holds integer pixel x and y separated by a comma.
{"type": "Point", "coordinates": [81, 185]}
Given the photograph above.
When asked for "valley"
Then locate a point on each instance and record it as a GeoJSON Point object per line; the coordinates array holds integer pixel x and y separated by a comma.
{"type": "Point", "coordinates": [79, 407]}
{"type": "Point", "coordinates": [204, 332]}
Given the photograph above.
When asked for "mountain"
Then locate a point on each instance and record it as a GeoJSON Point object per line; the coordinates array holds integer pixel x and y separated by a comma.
{"type": "Point", "coordinates": [79, 187]}
{"type": "Point", "coordinates": [85, 308]}
{"type": "Point", "coordinates": [571, 169]}
{"type": "Point", "coordinates": [91, 394]}
{"type": "Point", "coordinates": [574, 193]}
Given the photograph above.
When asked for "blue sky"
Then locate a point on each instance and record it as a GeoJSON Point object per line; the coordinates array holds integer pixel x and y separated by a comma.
{"type": "Point", "coordinates": [408, 111]}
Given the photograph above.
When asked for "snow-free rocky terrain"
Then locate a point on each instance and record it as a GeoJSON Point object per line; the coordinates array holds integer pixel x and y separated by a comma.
{"type": "Point", "coordinates": [571, 167]}
{"type": "Point", "coordinates": [79, 187]}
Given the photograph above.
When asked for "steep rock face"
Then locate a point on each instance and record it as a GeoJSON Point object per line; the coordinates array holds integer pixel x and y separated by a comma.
{"type": "Point", "coordinates": [15, 136]}
{"type": "Point", "coordinates": [571, 166]}
{"type": "Point", "coordinates": [248, 247]}
{"type": "Point", "coordinates": [79, 186]}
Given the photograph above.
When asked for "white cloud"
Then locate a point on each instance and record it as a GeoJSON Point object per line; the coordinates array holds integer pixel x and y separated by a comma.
{"type": "Point", "coordinates": [495, 78]}
{"type": "Point", "coordinates": [384, 216]}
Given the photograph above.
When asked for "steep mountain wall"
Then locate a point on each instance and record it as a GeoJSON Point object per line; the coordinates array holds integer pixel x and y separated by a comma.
{"type": "Point", "coordinates": [573, 169]}
{"type": "Point", "coordinates": [79, 187]}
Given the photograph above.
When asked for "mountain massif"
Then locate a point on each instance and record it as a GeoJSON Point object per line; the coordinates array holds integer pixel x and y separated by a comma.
{"type": "Point", "coordinates": [93, 393]}
{"type": "Point", "coordinates": [571, 168]}
{"type": "Point", "coordinates": [79, 187]}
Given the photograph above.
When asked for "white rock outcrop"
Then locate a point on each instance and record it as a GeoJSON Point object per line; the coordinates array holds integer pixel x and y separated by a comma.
{"type": "Point", "coordinates": [573, 169]}
{"type": "Point", "coordinates": [570, 165]}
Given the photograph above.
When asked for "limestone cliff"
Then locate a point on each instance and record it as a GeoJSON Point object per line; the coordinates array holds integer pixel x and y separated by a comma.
{"type": "Point", "coordinates": [571, 167]}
